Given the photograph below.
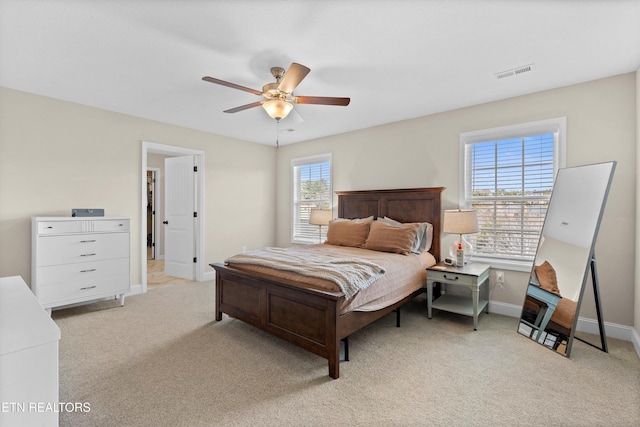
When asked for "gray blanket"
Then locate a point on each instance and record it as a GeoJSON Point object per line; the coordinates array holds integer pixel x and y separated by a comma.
{"type": "Point", "coordinates": [351, 275]}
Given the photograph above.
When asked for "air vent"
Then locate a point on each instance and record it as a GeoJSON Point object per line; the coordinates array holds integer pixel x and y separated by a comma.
{"type": "Point", "coordinates": [515, 71]}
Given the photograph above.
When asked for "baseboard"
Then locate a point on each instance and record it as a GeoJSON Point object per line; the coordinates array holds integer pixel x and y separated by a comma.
{"type": "Point", "coordinates": [505, 309]}
{"type": "Point", "coordinates": [590, 326]}
{"type": "Point", "coordinates": [209, 275]}
{"type": "Point", "coordinates": [635, 339]}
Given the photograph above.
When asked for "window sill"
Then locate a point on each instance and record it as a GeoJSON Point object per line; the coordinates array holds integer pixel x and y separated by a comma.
{"type": "Point", "coordinates": [504, 264]}
{"type": "Point", "coordinates": [305, 242]}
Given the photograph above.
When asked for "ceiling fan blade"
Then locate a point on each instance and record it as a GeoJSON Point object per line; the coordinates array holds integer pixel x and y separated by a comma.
{"type": "Point", "coordinates": [244, 107]}
{"type": "Point", "coordinates": [322, 100]}
{"type": "Point", "coordinates": [293, 77]}
{"type": "Point", "coordinates": [231, 85]}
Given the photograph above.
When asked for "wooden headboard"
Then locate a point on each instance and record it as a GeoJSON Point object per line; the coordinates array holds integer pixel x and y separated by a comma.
{"type": "Point", "coordinates": [406, 205]}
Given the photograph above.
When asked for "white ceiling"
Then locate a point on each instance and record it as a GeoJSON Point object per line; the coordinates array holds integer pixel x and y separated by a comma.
{"type": "Point", "coordinates": [394, 59]}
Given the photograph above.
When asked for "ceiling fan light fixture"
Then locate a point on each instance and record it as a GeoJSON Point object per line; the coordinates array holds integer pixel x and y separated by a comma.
{"type": "Point", "coordinates": [277, 109]}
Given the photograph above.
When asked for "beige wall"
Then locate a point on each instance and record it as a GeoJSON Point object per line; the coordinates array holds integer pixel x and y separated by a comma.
{"type": "Point", "coordinates": [424, 152]}
{"type": "Point", "coordinates": [56, 155]}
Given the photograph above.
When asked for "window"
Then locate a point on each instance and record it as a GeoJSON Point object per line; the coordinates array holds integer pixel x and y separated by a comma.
{"type": "Point", "coordinates": [507, 177]}
{"type": "Point", "coordinates": [311, 178]}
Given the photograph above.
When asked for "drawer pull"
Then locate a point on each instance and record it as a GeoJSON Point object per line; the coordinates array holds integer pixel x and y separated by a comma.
{"type": "Point", "coordinates": [87, 254]}
{"type": "Point", "coordinates": [87, 271]}
{"type": "Point", "coordinates": [449, 278]}
{"type": "Point", "coordinates": [88, 287]}
{"type": "Point", "coordinates": [87, 241]}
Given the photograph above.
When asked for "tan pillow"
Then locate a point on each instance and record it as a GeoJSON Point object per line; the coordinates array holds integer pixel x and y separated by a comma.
{"type": "Point", "coordinates": [397, 239]}
{"type": "Point", "coordinates": [424, 236]}
{"type": "Point", "coordinates": [348, 233]}
{"type": "Point", "coordinates": [547, 278]}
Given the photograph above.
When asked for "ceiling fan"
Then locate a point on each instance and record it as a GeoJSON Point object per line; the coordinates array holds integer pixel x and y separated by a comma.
{"type": "Point", "coordinates": [278, 97]}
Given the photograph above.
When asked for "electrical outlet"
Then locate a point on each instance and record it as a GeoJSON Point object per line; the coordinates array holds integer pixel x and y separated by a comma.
{"type": "Point", "coordinates": [244, 249]}
{"type": "Point", "coordinates": [500, 278]}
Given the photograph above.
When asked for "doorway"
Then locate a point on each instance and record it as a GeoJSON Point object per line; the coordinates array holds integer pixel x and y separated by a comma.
{"type": "Point", "coordinates": [148, 150]}
{"type": "Point", "coordinates": [153, 193]}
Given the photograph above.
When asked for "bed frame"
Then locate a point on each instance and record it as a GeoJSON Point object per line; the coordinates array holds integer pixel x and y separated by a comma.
{"type": "Point", "coordinates": [310, 318]}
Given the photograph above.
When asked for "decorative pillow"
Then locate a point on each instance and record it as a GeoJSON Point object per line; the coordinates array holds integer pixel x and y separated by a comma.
{"type": "Point", "coordinates": [424, 236]}
{"type": "Point", "coordinates": [397, 239]}
{"type": "Point", "coordinates": [344, 232]}
{"type": "Point", "coordinates": [547, 277]}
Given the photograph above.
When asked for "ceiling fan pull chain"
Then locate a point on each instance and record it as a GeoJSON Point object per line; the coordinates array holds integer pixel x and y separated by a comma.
{"type": "Point", "coordinates": [277, 134]}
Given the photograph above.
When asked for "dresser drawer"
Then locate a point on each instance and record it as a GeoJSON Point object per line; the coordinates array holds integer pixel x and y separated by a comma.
{"type": "Point", "coordinates": [84, 288]}
{"type": "Point", "coordinates": [81, 272]}
{"type": "Point", "coordinates": [449, 277]}
{"type": "Point", "coordinates": [77, 248]}
{"type": "Point", "coordinates": [82, 226]}
{"type": "Point", "coordinates": [110, 225]}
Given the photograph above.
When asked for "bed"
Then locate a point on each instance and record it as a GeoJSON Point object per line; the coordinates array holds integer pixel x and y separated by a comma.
{"type": "Point", "coordinates": [318, 319]}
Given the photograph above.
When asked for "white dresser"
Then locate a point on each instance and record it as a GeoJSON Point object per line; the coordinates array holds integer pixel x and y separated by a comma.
{"type": "Point", "coordinates": [78, 259]}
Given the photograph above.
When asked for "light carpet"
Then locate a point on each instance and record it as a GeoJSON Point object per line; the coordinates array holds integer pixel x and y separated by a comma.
{"type": "Point", "coordinates": [162, 360]}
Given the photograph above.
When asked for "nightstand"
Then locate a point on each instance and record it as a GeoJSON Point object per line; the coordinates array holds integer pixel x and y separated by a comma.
{"type": "Point", "coordinates": [471, 276]}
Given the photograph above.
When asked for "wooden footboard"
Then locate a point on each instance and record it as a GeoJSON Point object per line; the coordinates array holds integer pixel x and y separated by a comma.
{"type": "Point", "coordinates": [304, 317]}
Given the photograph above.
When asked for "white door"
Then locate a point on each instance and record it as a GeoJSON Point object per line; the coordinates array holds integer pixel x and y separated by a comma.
{"type": "Point", "coordinates": [179, 217]}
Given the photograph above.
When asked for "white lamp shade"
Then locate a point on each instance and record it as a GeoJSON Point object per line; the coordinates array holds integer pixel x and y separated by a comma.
{"type": "Point", "coordinates": [320, 217]}
{"type": "Point", "coordinates": [460, 221]}
{"type": "Point", "coordinates": [277, 109]}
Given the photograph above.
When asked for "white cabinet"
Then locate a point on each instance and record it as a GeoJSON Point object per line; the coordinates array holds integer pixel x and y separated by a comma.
{"type": "Point", "coordinates": [28, 358]}
{"type": "Point", "coordinates": [79, 259]}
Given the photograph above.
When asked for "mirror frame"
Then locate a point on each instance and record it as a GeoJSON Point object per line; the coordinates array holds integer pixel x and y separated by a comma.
{"type": "Point", "coordinates": [599, 176]}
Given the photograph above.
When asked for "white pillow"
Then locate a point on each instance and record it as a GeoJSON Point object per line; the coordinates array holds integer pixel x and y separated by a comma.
{"type": "Point", "coordinates": [356, 220]}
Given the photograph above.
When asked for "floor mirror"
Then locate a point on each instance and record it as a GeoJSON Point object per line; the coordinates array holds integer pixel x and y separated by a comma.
{"type": "Point", "coordinates": [565, 258]}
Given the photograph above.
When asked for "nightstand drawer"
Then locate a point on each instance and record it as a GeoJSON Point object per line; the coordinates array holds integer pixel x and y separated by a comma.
{"type": "Point", "coordinates": [453, 278]}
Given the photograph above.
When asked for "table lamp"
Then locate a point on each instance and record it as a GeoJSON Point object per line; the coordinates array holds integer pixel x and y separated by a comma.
{"type": "Point", "coordinates": [460, 222]}
{"type": "Point", "coordinates": [320, 217]}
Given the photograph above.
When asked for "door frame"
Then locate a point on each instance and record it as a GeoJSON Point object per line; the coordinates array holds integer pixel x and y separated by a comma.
{"type": "Point", "coordinates": [171, 150]}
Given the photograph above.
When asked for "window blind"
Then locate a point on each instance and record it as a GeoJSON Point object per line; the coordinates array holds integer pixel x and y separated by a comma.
{"type": "Point", "coordinates": [311, 179]}
{"type": "Point", "coordinates": [508, 180]}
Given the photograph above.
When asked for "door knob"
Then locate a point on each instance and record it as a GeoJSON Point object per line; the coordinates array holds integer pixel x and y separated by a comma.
{"type": "Point", "coordinates": [165, 222]}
